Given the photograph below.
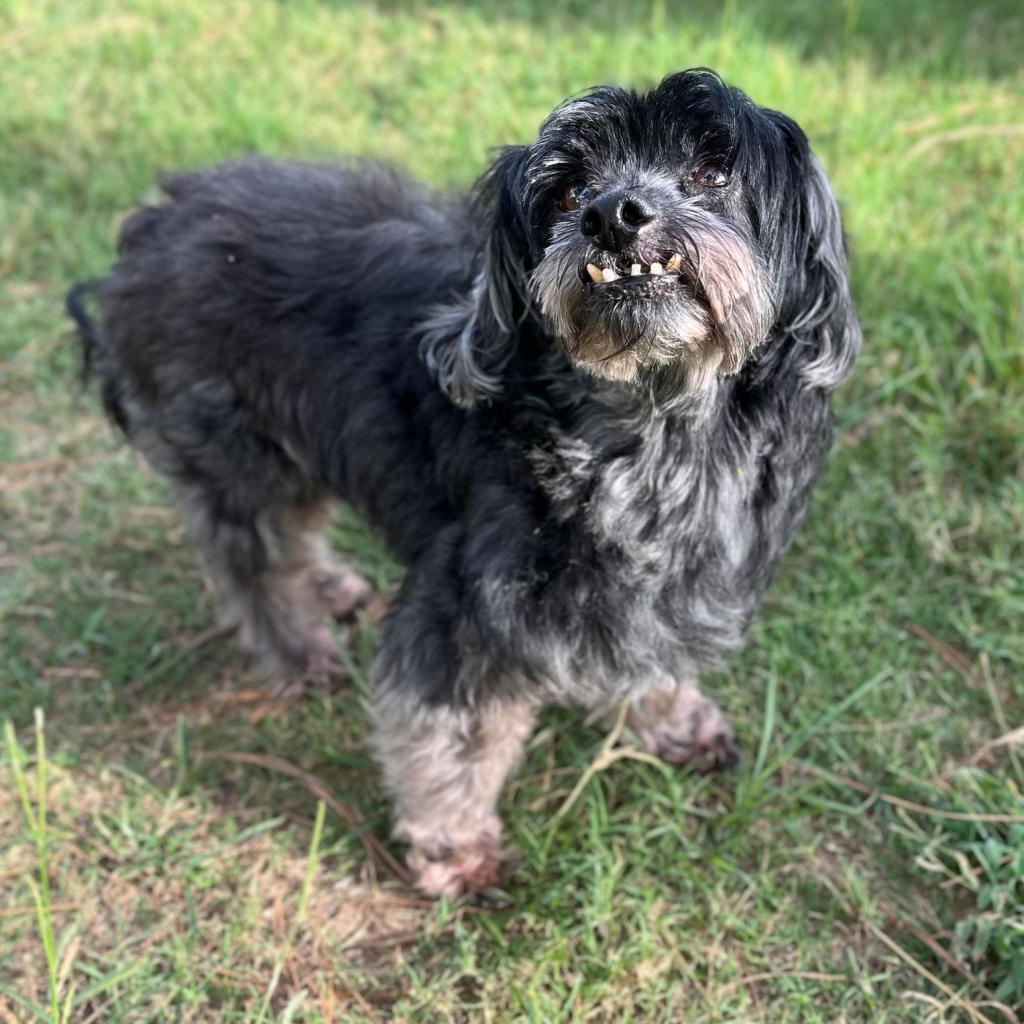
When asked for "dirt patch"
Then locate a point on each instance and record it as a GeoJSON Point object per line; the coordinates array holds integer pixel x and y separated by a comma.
{"type": "Point", "coordinates": [140, 877]}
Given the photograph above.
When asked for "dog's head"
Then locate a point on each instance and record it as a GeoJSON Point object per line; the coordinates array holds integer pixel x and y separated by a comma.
{"type": "Point", "coordinates": [661, 239]}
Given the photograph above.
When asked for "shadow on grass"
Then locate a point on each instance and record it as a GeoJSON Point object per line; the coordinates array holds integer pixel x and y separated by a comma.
{"type": "Point", "coordinates": [948, 40]}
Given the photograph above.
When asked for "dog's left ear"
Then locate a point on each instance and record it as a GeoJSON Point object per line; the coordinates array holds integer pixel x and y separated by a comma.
{"type": "Point", "coordinates": [468, 343]}
{"type": "Point", "coordinates": [816, 306]}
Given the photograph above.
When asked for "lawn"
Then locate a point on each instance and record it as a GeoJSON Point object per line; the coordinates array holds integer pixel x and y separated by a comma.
{"type": "Point", "coordinates": [865, 863]}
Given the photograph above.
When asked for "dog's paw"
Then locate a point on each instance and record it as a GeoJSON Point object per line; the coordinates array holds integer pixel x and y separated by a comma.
{"type": "Point", "coordinates": [467, 870]}
{"type": "Point", "coordinates": [342, 592]}
{"type": "Point", "coordinates": [308, 663]}
{"type": "Point", "coordinates": [695, 734]}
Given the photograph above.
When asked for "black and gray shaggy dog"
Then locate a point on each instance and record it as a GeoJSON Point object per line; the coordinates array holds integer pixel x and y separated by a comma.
{"type": "Point", "coordinates": [585, 408]}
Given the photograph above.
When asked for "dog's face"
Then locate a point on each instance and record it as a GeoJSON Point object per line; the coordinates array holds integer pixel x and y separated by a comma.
{"type": "Point", "coordinates": [660, 238]}
{"type": "Point", "coordinates": [647, 211]}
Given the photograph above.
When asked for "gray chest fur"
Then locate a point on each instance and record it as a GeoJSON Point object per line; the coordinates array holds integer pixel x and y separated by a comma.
{"type": "Point", "coordinates": [671, 545]}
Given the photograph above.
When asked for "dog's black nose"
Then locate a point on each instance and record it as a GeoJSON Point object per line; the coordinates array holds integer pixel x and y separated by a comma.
{"type": "Point", "coordinates": [614, 219]}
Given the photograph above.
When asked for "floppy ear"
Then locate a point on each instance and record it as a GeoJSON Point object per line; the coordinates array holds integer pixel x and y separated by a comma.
{"type": "Point", "coordinates": [466, 344]}
{"type": "Point", "coordinates": [816, 307]}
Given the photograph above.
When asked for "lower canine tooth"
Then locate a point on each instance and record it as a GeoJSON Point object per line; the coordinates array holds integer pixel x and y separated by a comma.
{"type": "Point", "coordinates": [595, 273]}
{"type": "Point", "coordinates": [657, 268]}
{"type": "Point", "coordinates": [609, 275]}
{"type": "Point", "coordinates": [674, 263]}
{"type": "Point", "coordinates": [635, 270]}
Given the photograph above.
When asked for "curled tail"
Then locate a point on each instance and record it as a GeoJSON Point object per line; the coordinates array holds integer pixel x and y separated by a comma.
{"type": "Point", "coordinates": [92, 356]}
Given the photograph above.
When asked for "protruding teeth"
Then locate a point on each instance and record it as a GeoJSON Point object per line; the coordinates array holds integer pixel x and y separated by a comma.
{"type": "Point", "coordinates": [634, 270]}
{"type": "Point", "coordinates": [674, 263]}
{"type": "Point", "coordinates": [609, 275]}
{"type": "Point", "coordinates": [595, 273]}
{"type": "Point", "coordinates": [657, 268]}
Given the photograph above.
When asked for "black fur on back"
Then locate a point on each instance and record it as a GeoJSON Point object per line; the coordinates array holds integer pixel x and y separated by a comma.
{"type": "Point", "coordinates": [274, 322]}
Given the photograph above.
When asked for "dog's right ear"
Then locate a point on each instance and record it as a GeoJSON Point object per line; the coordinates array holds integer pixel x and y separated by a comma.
{"type": "Point", "coordinates": [466, 344]}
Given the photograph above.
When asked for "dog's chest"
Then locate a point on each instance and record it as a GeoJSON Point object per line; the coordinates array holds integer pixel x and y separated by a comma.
{"type": "Point", "coordinates": [659, 507]}
{"type": "Point", "coordinates": [659, 540]}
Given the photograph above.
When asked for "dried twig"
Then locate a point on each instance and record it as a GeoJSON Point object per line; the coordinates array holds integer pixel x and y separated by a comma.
{"type": "Point", "coordinates": [752, 979]}
{"type": "Point", "coordinates": [909, 805]}
{"type": "Point", "coordinates": [55, 908]}
{"type": "Point", "coordinates": [969, 1008]}
{"type": "Point", "coordinates": [963, 134]}
{"type": "Point", "coordinates": [43, 551]}
{"type": "Point", "coordinates": [951, 961]}
{"type": "Point", "coordinates": [607, 755]}
{"type": "Point", "coordinates": [1011, 739]}
{"type": "Point", "coordinates": [373, 846]}
{"type": "Point", "coordinates": [198, 641]}
{"type": "Point", "coordinates": [949, 655]}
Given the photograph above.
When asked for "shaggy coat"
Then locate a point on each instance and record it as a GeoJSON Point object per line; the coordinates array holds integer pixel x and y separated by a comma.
{"type": "Point", "coordinates": [589, 466]}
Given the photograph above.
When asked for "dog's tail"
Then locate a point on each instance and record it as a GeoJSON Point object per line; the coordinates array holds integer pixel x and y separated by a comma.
{"type": "Point", "coordinates": [88, 333]}
{"type": "Point", "coordinates": [92, 348]}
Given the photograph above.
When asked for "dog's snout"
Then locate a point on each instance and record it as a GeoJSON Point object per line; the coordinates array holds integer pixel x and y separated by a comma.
{"type": "Point", "coordinates": [614, 220]}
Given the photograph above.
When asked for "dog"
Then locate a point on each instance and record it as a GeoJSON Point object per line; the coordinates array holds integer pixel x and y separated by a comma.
{"type": "Point", "coordinates": [585, 406]}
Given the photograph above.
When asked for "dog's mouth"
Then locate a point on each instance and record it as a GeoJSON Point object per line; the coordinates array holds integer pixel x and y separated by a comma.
{"type": "Point", "coordinates": [619, 277]}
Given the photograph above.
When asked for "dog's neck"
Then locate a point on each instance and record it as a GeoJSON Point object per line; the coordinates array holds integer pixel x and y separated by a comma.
{"type": "Point", "coordinates": [634, 472]}
{"type": "Point", "coordinates": [598, 442]}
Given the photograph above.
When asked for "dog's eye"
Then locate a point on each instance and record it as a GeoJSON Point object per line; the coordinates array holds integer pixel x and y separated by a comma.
{"type": "Point", "coordinates": [574, 195]}
{"type": "Point", "coordinates": [710, 176]}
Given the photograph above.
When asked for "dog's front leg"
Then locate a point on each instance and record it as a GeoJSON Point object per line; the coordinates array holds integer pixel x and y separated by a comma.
{"type": "Point", "coordinates": [680, 725]}
{"type": "Point", "coordinates": [445, 767]}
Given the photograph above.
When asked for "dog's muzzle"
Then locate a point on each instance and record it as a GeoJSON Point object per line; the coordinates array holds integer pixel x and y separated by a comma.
{"type": "Point", "coordinates": [642, 280]}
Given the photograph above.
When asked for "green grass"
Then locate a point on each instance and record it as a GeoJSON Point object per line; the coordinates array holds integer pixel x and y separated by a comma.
{"type": "Point", "coordinates": [826, 881]}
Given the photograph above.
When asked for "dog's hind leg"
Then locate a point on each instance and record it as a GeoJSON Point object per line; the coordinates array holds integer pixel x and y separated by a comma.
{"type": "Point", "coordinates": [260, 523]}
{"type": "Point", "coordinates": [280, 581]}
{"type": "Point", "coordinates": [269, 569]}
{"type": "Point", "coordinates": [342, 591]}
